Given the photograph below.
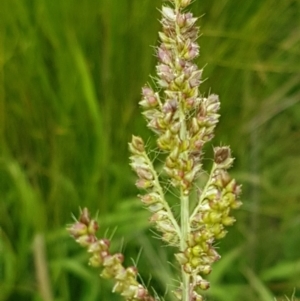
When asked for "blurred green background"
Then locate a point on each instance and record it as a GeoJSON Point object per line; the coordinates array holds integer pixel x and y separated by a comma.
{"type": "Point", "coordinates": [71, 73]}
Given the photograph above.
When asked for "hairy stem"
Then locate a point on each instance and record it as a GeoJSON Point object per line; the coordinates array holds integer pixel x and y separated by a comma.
{"type": "Point", "coordinates": [203, 193]}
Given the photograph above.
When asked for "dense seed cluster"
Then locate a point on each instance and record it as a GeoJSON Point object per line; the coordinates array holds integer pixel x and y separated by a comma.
{"type": "Point", "coordinates": [184, 121]}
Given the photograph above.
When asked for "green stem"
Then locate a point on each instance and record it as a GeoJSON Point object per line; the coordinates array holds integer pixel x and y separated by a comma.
{"type": "Point", "coordinates": [184, 209]}
{"type": "Point", "coordinates": [184, 197]}
{"type": "Point", "coordinates": [183, 243]}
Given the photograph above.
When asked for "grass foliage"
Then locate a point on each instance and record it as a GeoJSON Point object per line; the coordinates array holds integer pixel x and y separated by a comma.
{"type": "Point", "coordinates": [70, 79]}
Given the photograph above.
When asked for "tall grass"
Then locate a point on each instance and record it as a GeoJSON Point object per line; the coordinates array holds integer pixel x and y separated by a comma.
{"type": "Point", "coordinates": [70, 78]}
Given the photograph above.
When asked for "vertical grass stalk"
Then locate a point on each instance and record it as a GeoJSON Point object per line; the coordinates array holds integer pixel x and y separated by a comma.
{"type": "Point", "coordinates": [183, 121]}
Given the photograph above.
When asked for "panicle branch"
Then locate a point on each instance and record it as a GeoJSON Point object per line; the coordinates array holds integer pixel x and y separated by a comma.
{"type": "Point", "coordinates": [126, 284]}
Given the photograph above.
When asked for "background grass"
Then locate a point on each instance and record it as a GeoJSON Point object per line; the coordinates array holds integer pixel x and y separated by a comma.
{"type": "Point", "coordinates": [70, 80]}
